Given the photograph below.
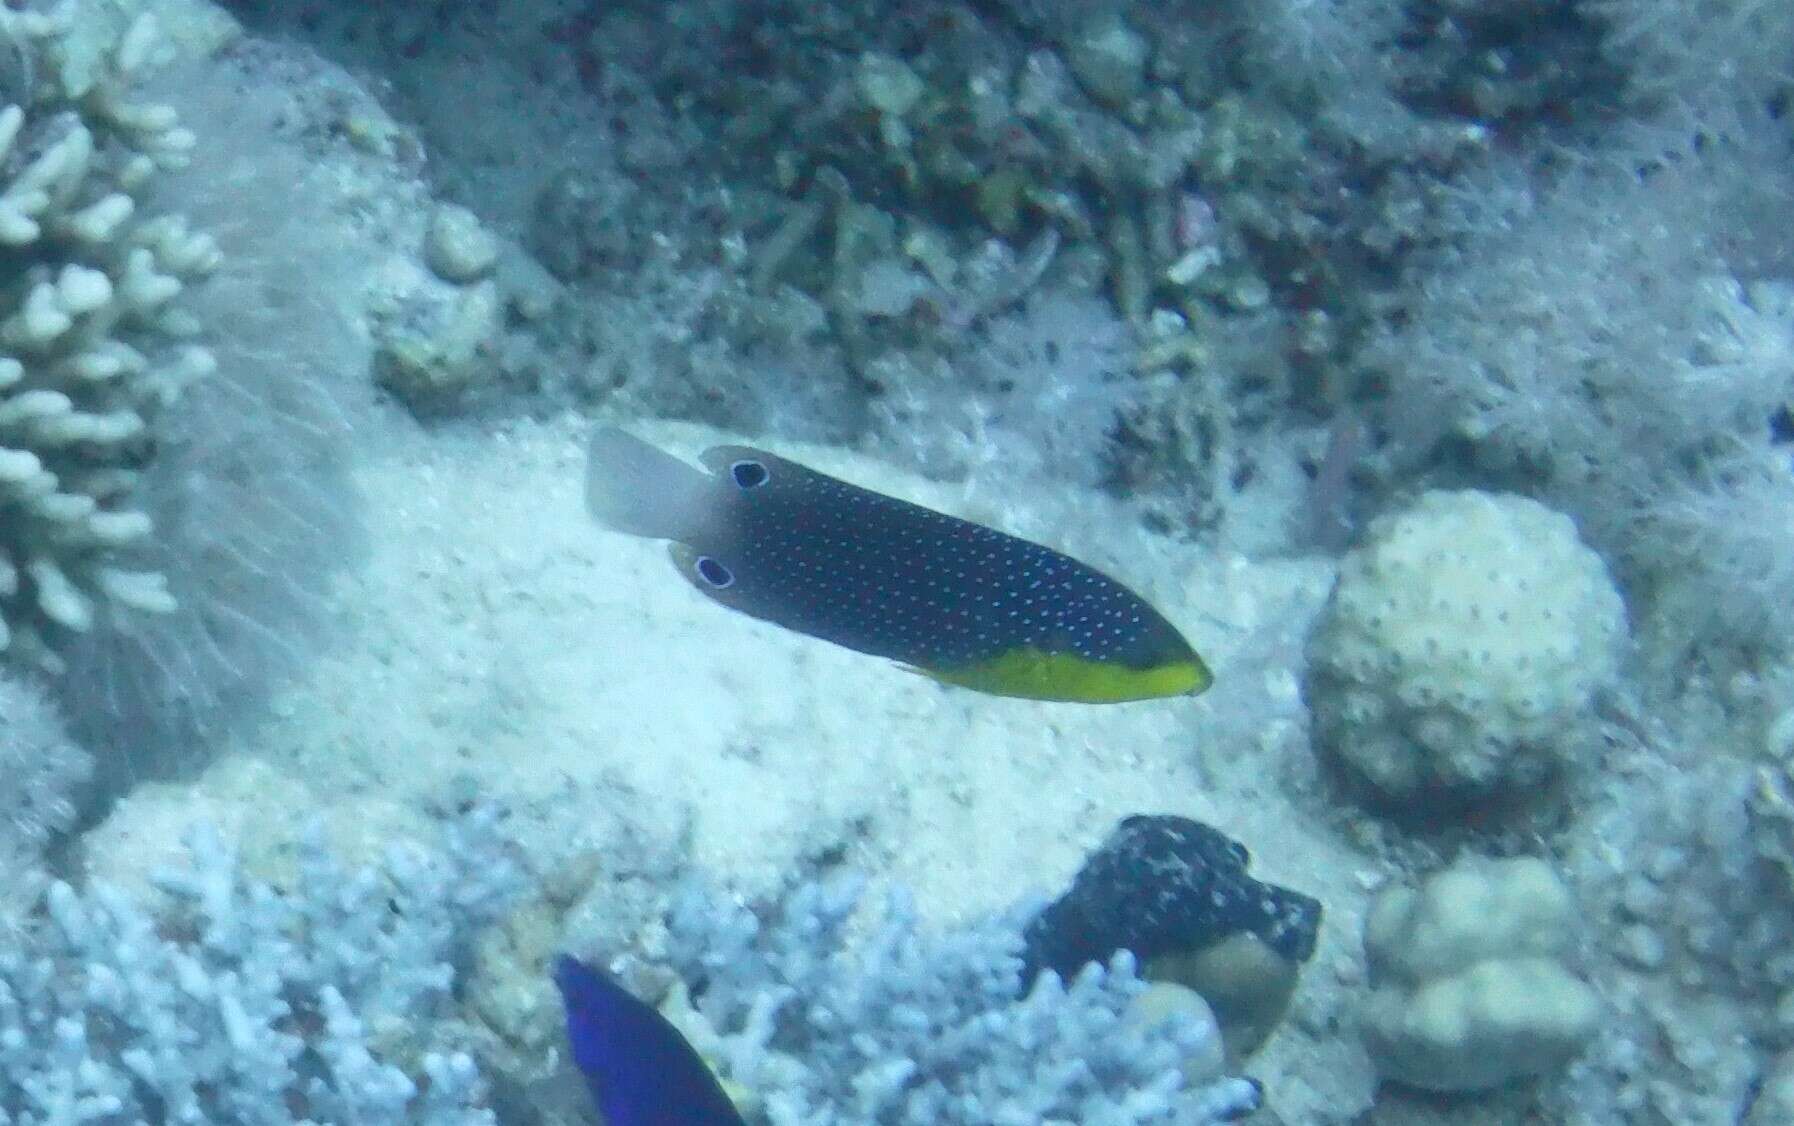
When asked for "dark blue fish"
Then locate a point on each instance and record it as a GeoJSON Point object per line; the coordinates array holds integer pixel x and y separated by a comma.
{"type": "Point", "coordinates": [960, 602]}
{"type": "Point", "coordinates": [640, 1070]}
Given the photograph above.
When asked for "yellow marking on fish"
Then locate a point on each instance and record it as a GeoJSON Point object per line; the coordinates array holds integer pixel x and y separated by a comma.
{"type": "Point", "coordinates": [1034, 675]}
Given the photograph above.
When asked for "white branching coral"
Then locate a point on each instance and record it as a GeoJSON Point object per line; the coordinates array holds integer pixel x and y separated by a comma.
{"type": "Point", "coordinates": [44, 770]}
{"type": "Point", "coordinates": [230, 999]}
{"type": "Point", "coordinates": [907, 1025]}
{"type": "Point", "coordinates": [93, 342]}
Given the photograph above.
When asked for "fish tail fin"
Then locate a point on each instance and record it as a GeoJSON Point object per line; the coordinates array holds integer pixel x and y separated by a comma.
{"type": "Point", "coordinates": [641, 490]}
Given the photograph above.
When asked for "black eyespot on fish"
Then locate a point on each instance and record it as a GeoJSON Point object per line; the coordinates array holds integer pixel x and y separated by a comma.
{"type": "Point", "coordinates": [714, 573]}
{"type": "Point", "coordinates": [749, 474]}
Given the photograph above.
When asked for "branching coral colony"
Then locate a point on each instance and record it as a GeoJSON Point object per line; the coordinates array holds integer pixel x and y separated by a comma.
{"type": "Point", "coordinates": [93, 344]}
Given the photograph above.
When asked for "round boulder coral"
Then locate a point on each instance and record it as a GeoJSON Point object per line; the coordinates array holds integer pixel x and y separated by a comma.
{"type": "Point", "coordinates": [1464, 639]}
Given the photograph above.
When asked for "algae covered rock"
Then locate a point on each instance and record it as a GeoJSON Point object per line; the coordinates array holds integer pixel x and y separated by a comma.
{"type": "Point", "coordinates": [1109, 59]}
{"type": "Point", "coordinates": [434, 364]}
{"type": "Point", "coordinates": [458, 247]}
{"type": "Point", "coordinates": [1469, 988]}
{"type": "Point", "coordinates": [1175, 894]}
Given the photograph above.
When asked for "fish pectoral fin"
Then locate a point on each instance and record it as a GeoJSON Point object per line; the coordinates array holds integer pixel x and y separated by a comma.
{"type": "Point", "coordinates": [917, 670]}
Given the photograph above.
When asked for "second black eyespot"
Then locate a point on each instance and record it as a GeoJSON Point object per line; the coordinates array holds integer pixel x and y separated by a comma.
{"type": "Point", "coordinates": [714, 573]}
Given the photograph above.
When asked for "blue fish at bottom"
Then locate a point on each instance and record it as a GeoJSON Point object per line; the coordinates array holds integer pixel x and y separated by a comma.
{"type": "Point", "coordinates": [640, 1070]}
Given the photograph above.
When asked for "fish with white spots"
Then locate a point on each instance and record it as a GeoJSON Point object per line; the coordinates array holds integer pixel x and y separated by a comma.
{"type": "Point", "coordinates": [954, 600]}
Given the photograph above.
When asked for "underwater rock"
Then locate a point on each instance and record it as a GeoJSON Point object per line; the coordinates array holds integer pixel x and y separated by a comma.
{"type": "Point", "coordinates": [1175, 893]}
{"type": "Point", "coordinates": [579, 223]}
{"type": "Point", "coordinates": [436, 366]}
{"type": "Point", "coordinates": [1109, 60]}
{"type": "Point", "coordinates": [1161, 885]}
{"type": "Point", "coordinates": [1775, 1102]}
{"type": "Point", "coordinates": [458, 247]}
{"type": "Point", "coordinates": [887, 84]}
{"type": "Point", "coordinates": [1246, 984]}
{"type": "Point", "coordinates": [1470, 989]}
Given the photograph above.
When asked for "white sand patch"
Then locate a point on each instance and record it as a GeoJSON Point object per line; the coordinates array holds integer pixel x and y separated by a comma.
{"type": "Point", "coordinates": [499, 637]}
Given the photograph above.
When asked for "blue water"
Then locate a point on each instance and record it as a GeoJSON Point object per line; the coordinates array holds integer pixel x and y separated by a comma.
{"type": "Point", "coordinates": [1429, 366]}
